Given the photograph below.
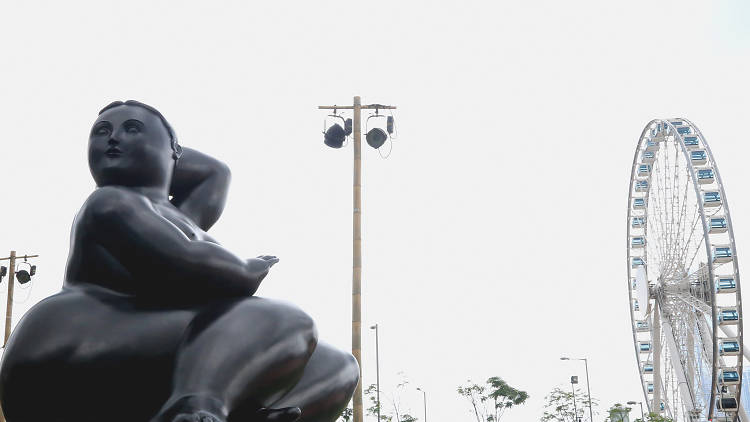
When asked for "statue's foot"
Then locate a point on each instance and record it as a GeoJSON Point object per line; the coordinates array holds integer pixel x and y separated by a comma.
{"type": "Point", "coordinates": [285, 414]}
{"type": "Point", "coordinates": [191, 409]}
{"type": "Point", "coordinates": [198, 416]}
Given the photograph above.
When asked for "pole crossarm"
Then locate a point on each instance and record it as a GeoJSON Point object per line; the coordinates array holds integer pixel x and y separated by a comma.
{"type": "Point", "coordinates": [364, 107]}
{"type": "Point", "coordinates": [19, 257]}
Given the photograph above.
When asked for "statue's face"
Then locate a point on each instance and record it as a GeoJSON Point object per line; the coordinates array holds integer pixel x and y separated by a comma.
{"type": "Point", "coordinates": [130, 146]}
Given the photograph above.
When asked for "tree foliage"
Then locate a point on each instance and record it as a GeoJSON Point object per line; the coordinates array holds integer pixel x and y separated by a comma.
{"type": "Point", "coordinates": [559, 406]}
{"type": "Point", "coordinates": [655, 417]}
{"type": "Point", "coordinates": [346, 415]}
{"type": "Point", "coordinates": [393, 413]}
{"type": "Point", "coordinates": [490, 400]}
{"type": "Point", "coordinates": [617, 413]}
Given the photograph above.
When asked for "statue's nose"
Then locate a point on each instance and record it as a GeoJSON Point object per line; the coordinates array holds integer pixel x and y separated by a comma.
{"type": "Point", "coordinates": [113, 140]}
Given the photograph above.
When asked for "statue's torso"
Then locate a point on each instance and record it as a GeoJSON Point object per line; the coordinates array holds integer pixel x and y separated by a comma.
{"type": "Point", "coordinates": [91, 263]}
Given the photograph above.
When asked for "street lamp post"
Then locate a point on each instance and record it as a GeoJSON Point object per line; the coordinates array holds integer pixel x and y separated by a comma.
{"type": "Point", "coordinates": [643, 417]}
{"type": "Point", "coordinates": [424, 395]}
{"type": "Point", "coordinates": [573, 382]}
{"type": "Point", "coordinates": [377, 366]}
{"type": "Point", "coordinates": [588, 385]}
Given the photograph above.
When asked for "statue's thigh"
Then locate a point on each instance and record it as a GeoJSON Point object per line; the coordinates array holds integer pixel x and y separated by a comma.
{"type": "Point", "coordinates": [82, 354]}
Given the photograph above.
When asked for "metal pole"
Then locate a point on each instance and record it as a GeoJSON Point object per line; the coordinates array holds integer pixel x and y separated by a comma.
{"type": "Point", "coordinates": [575, 410]}
{"type": "Point", "coordinates": [588, 387]}
{"type": "Point", "coordinates": [357, 256]}
{"type": "Point", "coordinates": [9, 306]}
{"type": "Point", "coordinates": [377, 367]}
{"type": "Point", "coordinates": [643, 417]}
{"type": "Point", "coordinates": [656, 343]}
{"type": "Point", "coordinates": [424, 396]}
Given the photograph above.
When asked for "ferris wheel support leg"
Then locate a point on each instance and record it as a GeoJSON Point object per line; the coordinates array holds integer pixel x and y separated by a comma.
{"type": "Point", "coordinates": [685, 390]}
{"type": "Point", "coordinates": [656, 340]}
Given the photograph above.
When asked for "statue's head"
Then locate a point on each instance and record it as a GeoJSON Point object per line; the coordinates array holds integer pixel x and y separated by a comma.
{"type": "Point", "coordinates": [132, 144]}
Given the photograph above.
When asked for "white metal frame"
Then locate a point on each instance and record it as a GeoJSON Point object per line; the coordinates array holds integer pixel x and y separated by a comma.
{"type": "Point", "coordinates": [677, 315]}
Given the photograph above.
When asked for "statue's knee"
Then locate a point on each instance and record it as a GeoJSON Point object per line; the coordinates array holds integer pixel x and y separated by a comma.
{"type": "Point", "coordinates": [291, 318]}
{"type": "Point", "coordinates": [350, 368]}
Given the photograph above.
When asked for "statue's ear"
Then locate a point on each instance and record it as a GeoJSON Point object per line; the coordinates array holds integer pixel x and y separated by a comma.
{"type": "Point", "coordinates": [177, 150]}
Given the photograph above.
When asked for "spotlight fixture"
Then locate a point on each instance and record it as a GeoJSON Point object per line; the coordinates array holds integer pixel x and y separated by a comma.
{"type": "Point", "coordinates": [24, 276]}
{"type": "Point", "coordinates": [335, 135]}
{"type": "Point", "coordinates": [376, 136]}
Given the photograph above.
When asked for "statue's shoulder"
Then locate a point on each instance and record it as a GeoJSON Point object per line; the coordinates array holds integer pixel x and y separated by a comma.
{"type": "Point", "coordinates": [109, 202]}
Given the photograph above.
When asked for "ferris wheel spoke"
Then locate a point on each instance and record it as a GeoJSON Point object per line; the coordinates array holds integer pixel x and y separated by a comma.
{"type": "Point", "coordinates": [683, 218]}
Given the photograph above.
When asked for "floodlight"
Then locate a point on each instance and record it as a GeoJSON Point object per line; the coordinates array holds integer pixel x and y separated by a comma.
{"type": "Point", "coordinates": [376, 137]}
{"type": "Point", "coordinates": [335, 136]}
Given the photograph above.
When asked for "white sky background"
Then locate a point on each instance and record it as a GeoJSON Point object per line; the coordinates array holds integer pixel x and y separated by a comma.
{"type": "Point", "coordinates": [493, 236]}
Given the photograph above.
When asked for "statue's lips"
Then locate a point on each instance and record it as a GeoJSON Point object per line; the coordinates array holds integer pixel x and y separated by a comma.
{"type": "Point", "coordinates": [113, 152]}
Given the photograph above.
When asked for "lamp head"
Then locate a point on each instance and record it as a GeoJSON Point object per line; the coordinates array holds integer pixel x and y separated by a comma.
{"type": "Point", "coordinates": [23, 276]}
{"type": "Point", "coordinates": [374, 327]}
{"type": "Point", "coordinates": [335, 136]}
{"type": "Point", "coordinates": [376, 137]}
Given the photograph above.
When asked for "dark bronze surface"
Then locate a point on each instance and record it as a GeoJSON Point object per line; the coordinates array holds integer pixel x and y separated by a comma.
{"type": "Point", "coordinates": [156, 321]}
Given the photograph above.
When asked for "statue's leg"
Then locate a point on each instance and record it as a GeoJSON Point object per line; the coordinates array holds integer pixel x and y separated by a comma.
{"type": "Point", "coordinates": [90, 356]}
{"type": "Point", "coordinates": [326, 385]}
{"type": "Point", "coordinates": [249, 350]}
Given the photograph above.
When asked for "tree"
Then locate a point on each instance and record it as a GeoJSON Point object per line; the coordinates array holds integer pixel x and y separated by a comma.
{"type": "Point", "coordinates": [559, 406]}
{"type": "Point", "coordinates": [397, 413]}
{"type": "Point", "coordinates": [617, 413]}
{"type": "Point", "coordinates": [346, 415]}
{"type": "Point", "coordinates": [655, 417]}
{"type": "Point", "coordinates": [490, 400]}
{"type": "Point", "coordinates": [371, 393]}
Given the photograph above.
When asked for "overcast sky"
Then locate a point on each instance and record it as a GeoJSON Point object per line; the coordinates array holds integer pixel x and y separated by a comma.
{"type": "Point", "coordinates": [493, 236]}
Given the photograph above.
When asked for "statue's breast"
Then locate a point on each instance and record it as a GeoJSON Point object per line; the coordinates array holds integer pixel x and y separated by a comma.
{"type": "Point", "coordinates": [183, 223]}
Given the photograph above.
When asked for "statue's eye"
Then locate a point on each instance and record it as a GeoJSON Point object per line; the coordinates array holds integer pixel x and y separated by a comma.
{"type": "Point", "coordinates": [102, 130]}
{"type": "Point", "coordinates": [132, 127]}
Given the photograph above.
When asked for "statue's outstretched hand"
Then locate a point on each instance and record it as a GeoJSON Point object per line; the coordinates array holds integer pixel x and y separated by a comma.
{"type": "Point", "coordinates": [258, 267]}
{"type": "Point", "coordinates": [269, 258]}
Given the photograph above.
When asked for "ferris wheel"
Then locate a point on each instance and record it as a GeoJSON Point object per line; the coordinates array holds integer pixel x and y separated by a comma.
{"type": "Point", "coordinates": [683, 280]}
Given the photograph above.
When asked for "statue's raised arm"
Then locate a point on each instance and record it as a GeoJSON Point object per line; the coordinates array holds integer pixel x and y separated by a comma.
{"type": "Point", "coordinates": [199, 187]}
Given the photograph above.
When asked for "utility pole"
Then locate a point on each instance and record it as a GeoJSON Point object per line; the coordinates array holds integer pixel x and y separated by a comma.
{"type": "Point", "coordinates": [11, 284]}
{"type": "Point", "coordinates": [357, 108]}
{"type": "Point", "coordinates": [9, 306]}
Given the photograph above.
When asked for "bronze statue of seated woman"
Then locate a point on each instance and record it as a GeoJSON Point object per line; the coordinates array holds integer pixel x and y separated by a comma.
{"type": "Point", "coordinates": [156, 321]}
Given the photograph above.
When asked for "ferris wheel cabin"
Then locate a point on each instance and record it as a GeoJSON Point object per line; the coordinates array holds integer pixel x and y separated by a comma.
{"type": "Point", "coordinates": [717, 225]}
{"type": "Point", "coordinates": [711, 199]}
{"type": "Point", "coordinates": [729, 347]}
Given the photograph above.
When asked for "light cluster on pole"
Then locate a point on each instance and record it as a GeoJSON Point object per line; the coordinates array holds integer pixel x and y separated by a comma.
{"type": "Point", "coordinates": [24, 276]}
{"type": "Point", "coordinates": [334, 135]}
